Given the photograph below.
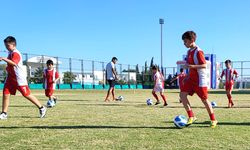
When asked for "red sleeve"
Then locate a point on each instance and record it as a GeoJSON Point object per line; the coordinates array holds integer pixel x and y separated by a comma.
{"type": "Point", "coordinates": [15, 58]}
{"type": "Point", "coordinates": [201, 57]}
{"type": "Point", "coordinates": [235, 72]}
{"type": "Point", "coordinates": [57, 75]}
{"type": "Point", "coordinates": [222, 74]}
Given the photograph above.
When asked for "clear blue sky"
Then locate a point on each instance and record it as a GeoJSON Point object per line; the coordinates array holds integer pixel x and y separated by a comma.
{"type": "Point", "coordinates": [128, 29]}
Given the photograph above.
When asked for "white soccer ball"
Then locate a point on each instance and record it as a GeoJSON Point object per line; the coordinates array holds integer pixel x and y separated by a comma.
{"type": "Point", "coordinates": [51, 103]}
{"type": "Point", "coordinates": [120, 98]}
{"type": "Point", "coordinates": [180, 121]}
{"type": "Point", "coordinates": [213, 104]}
{"type": "Point", "coordinates": [149, 102]}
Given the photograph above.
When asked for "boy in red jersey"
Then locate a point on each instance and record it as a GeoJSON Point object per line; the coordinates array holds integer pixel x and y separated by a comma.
{"type": "Point", "coordinates": [16, 79]}
{"type": "Point", "coordinates": [230, 75]}
{"type": "Point", "coordinates": [50, 78]}
{"type": "Point", "coordinates": [180, 77]}
{"type": "Point", "coordinates": [195, 82]}
{"type": "Point", "coordinates": [158, 86]}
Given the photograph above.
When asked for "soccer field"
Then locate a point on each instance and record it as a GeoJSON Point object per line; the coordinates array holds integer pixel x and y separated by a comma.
{"type": "Point", "coordinates": [82, 120]}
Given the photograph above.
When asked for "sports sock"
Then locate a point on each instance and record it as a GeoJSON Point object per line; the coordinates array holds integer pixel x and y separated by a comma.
{"type": "Point", "coordinates": [190, 113]}
{"type": "Point", "coordinates": [212, 117]}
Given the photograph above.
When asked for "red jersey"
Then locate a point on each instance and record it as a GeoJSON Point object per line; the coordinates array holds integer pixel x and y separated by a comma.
{"type": "Point", "coordinates": [16, 74]}
{"type": "Point", "coordinates": [49, 76]}
{"type": "Point", "coordinates": [229, 74]}
{"type": "Point", "coordinates": [181, 77]}
{"type": "Point", "coordinates": [195, 56]}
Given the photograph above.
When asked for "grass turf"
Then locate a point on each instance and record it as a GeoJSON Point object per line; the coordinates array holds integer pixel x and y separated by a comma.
{"type": "Point", "coordinates": [82, 120]}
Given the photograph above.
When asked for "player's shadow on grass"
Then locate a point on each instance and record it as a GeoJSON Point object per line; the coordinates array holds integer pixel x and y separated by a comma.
{"type": "Point", "coordinates": [21, 106]}
{"type": "Point", "coordinates": [226, 123]}
{"type": "Point", "coordinates": [234, 92]}
{"type": "Point", "coordinates": [88, 127]}
{"type": "Point", "coordinates": [76, 100]}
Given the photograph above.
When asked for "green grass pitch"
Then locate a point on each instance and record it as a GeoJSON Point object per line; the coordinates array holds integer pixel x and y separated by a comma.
{"type": "Point", "coordinates": [82, 120]}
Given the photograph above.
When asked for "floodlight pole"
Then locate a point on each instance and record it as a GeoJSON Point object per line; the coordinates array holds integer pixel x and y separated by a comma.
{"type": "Point", "coordinates": [161, 22]}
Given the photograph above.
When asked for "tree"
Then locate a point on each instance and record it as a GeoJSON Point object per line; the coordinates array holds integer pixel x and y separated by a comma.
{"type": "Point", "coordinates": [68, 77]}
{"type": "Point", "coordinates": [38, 76]}
{"type": "Point", "coordinates": [146, 67]}
{"type": "Point", "coordinates": [152, 62]}
{"type": "Point", "coordinates": [3, 72]}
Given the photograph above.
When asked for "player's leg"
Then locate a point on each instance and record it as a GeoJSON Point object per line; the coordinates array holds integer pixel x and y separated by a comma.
{"type": "Point", "coordinates": [9, 89]}
{"type": "Point", "coordinates": [164, 98]}
{"type": "Point", "coordinates": [210, 112]}
{"type": "Point", "coordinates": [5, 106]}
{"type": "Point", "coordinates": [108, 93]}
{"type": "Point", "coordinates": [229, 89]}
{"type": "Point", "coordinates": [156, 97]}
{"type": "Point", "coordinates": [188, 108]}
{"type": "Point", "coordinates": [113, 93]}
{"type": "Point", "coordinates": [203, 94]}
{"type": "Point", "coordinates": [25, 91]}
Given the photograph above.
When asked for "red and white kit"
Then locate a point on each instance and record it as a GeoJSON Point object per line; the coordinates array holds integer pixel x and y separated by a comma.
{"type": "Point", "coordinates": [180, 78]}
{"type": "Point", "coordinates": [159, 82]}
{"type": "Point", "coordinates": [196, 80]}
{"type": "Point", "coordinates": [16, 76]}
{"type": "Point", "coordinates": [229, 76]}
{"type": "Point", "coordinates": [50, 76]}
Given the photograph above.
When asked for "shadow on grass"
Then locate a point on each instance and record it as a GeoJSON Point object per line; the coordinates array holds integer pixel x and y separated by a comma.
{"type": "Point", "coordinates": [21, 106]}
{"type": "Point", "coordinates": [226, 123]}
{"type": "Point", "coordinates": [234, 92]}
{"type": "Point", "coordinates": [74, 100]}
{"type": "Point", "coordinates": [87, 127]}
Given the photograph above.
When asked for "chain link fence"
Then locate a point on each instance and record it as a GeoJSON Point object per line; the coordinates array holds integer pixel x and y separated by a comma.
{"type": "Point", "coordinates": [89, 72]}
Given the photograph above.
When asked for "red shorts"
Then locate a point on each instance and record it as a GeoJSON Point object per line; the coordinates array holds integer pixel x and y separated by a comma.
{"type": "Point", "coordinates": [191, 87]}
{"type": "Point", "coordinates": [229, 85]}
{"type": "Point", "coordinates": [11, 87]}
{"type": "Point", "coordinates": [49, 92]}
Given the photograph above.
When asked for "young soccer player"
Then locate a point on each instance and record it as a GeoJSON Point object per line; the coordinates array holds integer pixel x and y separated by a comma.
{"type": "Point", "coordinates": [180, 78]}
{"type": "Point", "coordinates": [50, 78]}
{"type": "Point", "coordinates": [158, 86]}
{"type": "Point", "coordinates": [111, 77]}
{"type": "Point", "coordinates": [195, 82]}
{"type": "Point", "coordinates": [16, 79]}
{"type": "Point", "coordinates": [230, 75]}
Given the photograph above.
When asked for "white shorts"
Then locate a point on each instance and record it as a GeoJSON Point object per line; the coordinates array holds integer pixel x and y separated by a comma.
{"type": "Point", "coordinates": [158, 88]}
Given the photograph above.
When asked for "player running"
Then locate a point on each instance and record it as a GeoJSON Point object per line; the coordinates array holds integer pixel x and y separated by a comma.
{"type": "Point", "coordinates": [158, 86]}
{"type": "Point", "coordinates": [50, 78]}
{"type": "Point", "coordinates": [230, 76]}
{"type": "Point", "coordinates": [195, 82]}
{"type": "Point", "coordinates": [16, 79]}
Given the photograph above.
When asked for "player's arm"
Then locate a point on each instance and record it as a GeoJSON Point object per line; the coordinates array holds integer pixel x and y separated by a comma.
{"type": "Point", "coordinates": [114, 72]}
{"type": "Point", "coordinates": [196, 66]}
{"type": "Point", "coordinates": [236, 74]}
{"type": "Point", "coordinates": [221, 76]}
{"type": "Point", "coordinates": [175, 78]}
{"type": "Point", "coordinates": [57, 78]}
{"type": "Point", "coordinates": [8, 61]}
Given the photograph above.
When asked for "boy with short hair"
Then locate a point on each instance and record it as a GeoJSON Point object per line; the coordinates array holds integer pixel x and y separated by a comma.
{"type": "Point", "coordinates": [230, 75]}
{"type": "Point", "coordinates": [158, 85]}
{"type": "Point", "coordinates": [195, 82]}
{"type": "Point", "coordinates": [16, 79]}
{"type": "Point", "coordinates": [50, 78]}
{"type": "Point", "coordinates": [181, 76]}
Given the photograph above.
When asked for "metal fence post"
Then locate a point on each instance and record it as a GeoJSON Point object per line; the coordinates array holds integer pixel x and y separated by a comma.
{"type": "Point", "coordinates": [27, 66]}
{"type": "Point", "coordinates": [129, 74]}
{"type": "Point", "coordinates": [82, 72]}
{"type": "Point", "coordinates": [70, 65]}
{"type": "Point", "coordinates": [103, 74]}
{"type": "Point", "coordinates": [93, 72]}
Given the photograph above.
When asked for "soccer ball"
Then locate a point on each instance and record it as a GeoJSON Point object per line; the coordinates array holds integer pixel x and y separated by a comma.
{"type": "Point", "coordinates": [213, 104]}
{"type": "Point", "coordinates": [51, 103]}
{"type": "Point", "coordinates": [149, 102]}
{"type": "Point", "coordinates": [120, 98]}
{"type": "Point", "coordinates": [180, 121]}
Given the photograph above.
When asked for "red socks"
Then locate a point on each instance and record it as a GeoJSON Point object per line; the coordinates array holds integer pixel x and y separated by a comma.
{"type": "Point", "coordinates": [190, 113]}
{"type": "Point", "coordinates": [212, 117]}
